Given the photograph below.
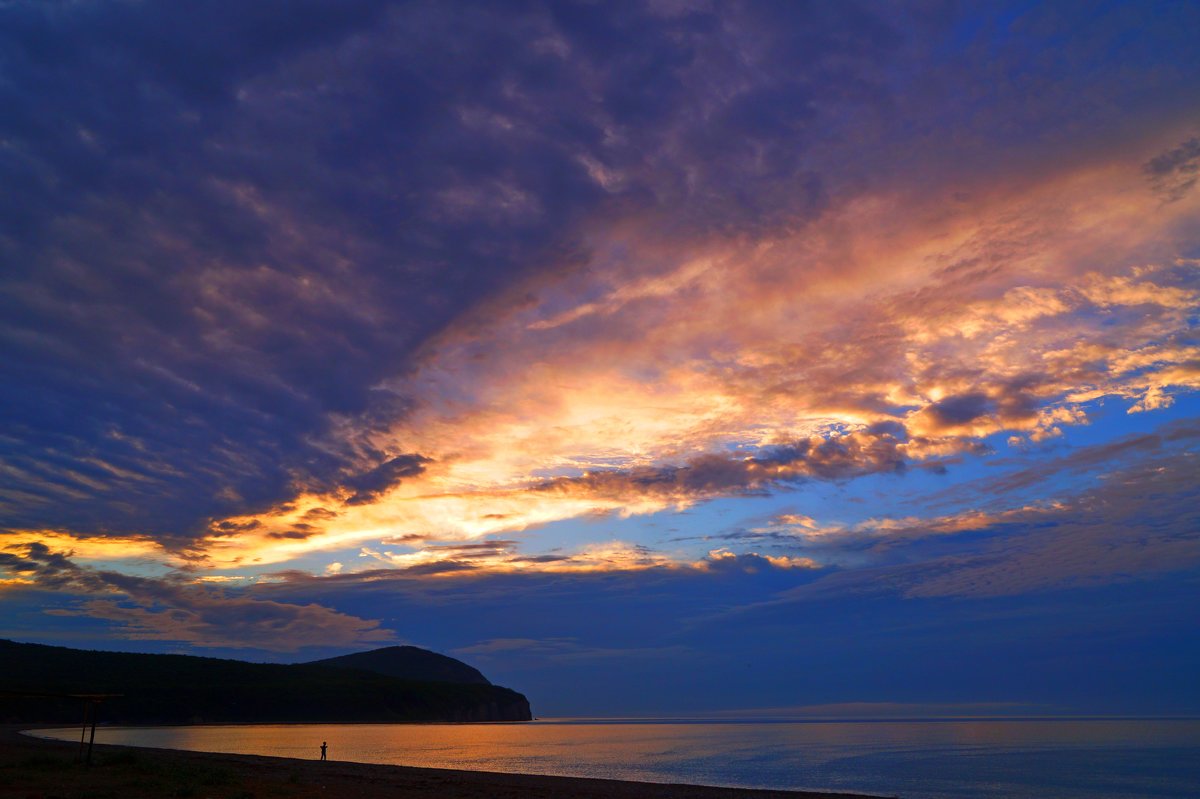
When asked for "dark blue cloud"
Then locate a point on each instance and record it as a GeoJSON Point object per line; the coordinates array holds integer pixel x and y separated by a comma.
{"type": "Point", "coordinates": [1176, 171]}
{"type": "Point", "coordinates": [371, 484]}
{"type": "Point", "coordinates": [961, 409]}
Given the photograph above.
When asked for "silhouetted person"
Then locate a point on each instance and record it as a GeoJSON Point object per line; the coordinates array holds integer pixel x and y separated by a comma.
{"type": "Point", "coordinates": [324, 746]}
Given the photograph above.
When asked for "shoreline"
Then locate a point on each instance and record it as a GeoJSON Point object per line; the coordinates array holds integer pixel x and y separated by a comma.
{"type": "Point", "coordinates": [31, 766]}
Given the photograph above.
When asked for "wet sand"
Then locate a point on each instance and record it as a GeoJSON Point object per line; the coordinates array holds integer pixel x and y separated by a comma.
{"type": "Point", "coordinates": [32, 768]}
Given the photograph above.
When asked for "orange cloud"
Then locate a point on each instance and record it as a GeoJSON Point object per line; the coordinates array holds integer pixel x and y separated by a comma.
{"type": "Point", "coordinates": [175, 607]}
{"type": "Point", "coordinates": [668, 371]}
{"type": "Point", "coordinates": [89, 549]}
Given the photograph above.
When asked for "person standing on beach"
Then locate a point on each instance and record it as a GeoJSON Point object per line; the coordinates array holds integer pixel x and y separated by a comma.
{"type": "Point", "coordinates": [324, 746]}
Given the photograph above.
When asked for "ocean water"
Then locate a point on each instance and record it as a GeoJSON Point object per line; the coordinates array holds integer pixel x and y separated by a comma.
{"type": "Point", "coordinates": [942, 759]}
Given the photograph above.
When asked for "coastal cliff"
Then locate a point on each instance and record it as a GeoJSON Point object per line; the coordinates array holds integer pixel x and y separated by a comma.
{"type": "Point", "coordinates": [35, 682]}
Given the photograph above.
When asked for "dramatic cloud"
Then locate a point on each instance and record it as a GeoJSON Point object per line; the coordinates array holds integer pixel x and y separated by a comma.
{"type": "Point", "coordinates": [900, 378]}
{"type": "Point", "coordinates": [222, 236]}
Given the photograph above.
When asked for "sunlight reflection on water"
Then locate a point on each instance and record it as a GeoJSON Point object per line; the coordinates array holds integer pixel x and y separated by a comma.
{"type": "Point", "coordinates": [1109, 759]}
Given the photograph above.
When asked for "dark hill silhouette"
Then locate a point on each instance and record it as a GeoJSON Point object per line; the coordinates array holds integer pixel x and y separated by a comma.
{"type": "Point", "coordinates": [408, 663]}
{"type": "Point", "coordinates": [183, 689]}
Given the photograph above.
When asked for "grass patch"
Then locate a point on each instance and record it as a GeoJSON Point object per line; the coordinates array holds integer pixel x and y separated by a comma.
{"type": "Point", "coordinates": [154, 787]}
{"type": "Point", "coordinates": [215, 777]}
{"type": "Point", "coordinates": [125, 757]}
{"type": "Point", "coordinates": [44, 763]}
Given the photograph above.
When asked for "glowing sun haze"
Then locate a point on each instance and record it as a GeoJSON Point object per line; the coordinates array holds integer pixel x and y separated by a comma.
{"type": "Point", "coordinates": [635, 344]}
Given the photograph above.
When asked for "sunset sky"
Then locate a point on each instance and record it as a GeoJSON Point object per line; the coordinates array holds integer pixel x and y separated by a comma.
{"type": "Point", "coordinates": [668, 357]}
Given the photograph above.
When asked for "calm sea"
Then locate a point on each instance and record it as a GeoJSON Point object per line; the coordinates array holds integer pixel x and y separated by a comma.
{"type": "Point", "coordinates": [1098, 759]}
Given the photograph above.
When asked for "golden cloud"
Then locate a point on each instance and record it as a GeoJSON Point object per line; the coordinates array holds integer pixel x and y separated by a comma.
{"type": "Point", "coordinates": [896, 328]}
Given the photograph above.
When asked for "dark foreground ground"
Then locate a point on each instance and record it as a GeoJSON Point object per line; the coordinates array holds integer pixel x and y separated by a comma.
{"type": "Point", "coordinates": [35, 769]}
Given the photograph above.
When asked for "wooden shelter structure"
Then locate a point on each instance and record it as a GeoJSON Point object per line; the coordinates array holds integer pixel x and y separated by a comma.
{"type": "Point", "coordinates": [91, 704]}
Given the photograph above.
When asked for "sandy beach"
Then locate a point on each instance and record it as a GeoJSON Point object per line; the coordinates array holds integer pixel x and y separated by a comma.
{"type": "Point", "coordinates": [32, 768]}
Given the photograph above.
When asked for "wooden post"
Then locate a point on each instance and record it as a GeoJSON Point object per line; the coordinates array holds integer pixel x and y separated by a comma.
{"type": "Point", "coordinates": [87, 706]}
{"type": "Point", "coordinates": [92, 739]}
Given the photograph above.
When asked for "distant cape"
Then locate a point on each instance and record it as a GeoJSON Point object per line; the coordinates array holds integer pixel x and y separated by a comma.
{"type": "Point", "coordinates": [41, 684]}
